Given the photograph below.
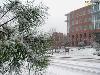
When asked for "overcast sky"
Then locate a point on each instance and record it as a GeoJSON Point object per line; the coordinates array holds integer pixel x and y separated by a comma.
{"type": "Point", "coordinates": [57, 11]}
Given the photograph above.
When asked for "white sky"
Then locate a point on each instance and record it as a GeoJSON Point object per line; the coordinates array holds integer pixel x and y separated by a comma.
{"type": "Point", "coordinates": [57, 11]}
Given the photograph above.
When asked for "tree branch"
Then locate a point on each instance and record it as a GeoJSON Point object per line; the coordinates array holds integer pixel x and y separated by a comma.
{"type": "Point", "coordinates": [13, 4]}
{"type": "Point", "coordinates": [7, 21]}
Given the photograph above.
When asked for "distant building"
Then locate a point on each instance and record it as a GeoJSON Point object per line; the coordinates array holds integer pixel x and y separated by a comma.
{"type": "Point", "coordinates": [82, 24]}
{"type": "Point", "coordinates": [58, 40]}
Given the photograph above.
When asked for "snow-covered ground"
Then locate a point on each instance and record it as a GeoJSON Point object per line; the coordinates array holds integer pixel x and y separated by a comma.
{"type": "Point", "coordinates": [63, 67]}
{"type": "Point", "coordinates": [76, 62]}
{"type": "Point", "coordinates": [76, 52]}
{"type": "Point", "coordinates": [59, 70]}
{"type": "Point", "coordinates": [82, 52]}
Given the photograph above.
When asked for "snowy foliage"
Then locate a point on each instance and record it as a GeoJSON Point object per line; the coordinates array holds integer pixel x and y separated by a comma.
{"type": "Point", "coordinates": [19, 42]}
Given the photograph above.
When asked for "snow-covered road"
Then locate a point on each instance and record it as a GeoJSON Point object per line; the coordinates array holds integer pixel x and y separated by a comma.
{"type": "Point", "coordinates": [59, 70]}
{"type": "Point", "coordinates": [60, 66]}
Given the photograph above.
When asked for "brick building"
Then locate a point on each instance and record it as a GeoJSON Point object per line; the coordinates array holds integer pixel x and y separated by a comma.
{"type": "Point", "coordinates": [83, 24]}
{"type": "Point", "coordinates": [80, 26]}
{"type": "Point", "coordinates": [58, 40]}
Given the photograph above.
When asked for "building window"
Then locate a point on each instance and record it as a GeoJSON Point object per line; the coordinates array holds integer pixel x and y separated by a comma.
{"type": "Point", "coordinates": [85, 19]}
{"type": "Point", "coordinates": [81, 27]}
{"type": "Point", "coordinates": [76, 35]}
{"type": "Point", "coordinates": [76, 43]}
{"type": "Point", "coordinates": [85, 42]}
{"type": "Point", "coordinates": [72, 29]}
{"type": "Point", "coordinates": [80, 35]}
{"type": "Point", "coordinates": [90, 35]}
{"type": "Point", "coordinates": [98, 16]}
{"type": "Point", "coordinates": [84, 34]}
{"type": "Point", "coordinates": [77, 28]}
{"type": "Point", "coordinates": [76, 22]}
{"type": "Point", "coordinates": [80, 40]}
{"type": "Point", "coordinates": [72, 22]}
{"type": "Point", "coordinates": [96, 7]}
{"type": "Point", "coordinates": [85, 27]}
{"type": "Point", "coordinates": [91, 27]}
{"type": "Point", "coordinates": [72, 43]}
{"type": "Point", "coordinates": [72, 36]}
{"type": "Point", "coordinates": [97, 25]}
{"type": "Point", "coordinates": [89, 19]}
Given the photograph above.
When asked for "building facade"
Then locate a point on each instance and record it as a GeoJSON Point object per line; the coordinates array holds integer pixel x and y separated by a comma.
{"type": "Point", "coordinates": [83, 23]}
{"type": "Point", "coordinates": [58, 40]}
{"type": "Point", "coordinates": [80, 26]}
{"type": "Point", "coordinates": [96, 19]}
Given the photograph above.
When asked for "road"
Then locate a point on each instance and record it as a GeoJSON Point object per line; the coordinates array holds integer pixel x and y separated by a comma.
{"type": "Point", "coordinates": [71, 67]}
{"type": "Point", "coordinates": [59, 70]}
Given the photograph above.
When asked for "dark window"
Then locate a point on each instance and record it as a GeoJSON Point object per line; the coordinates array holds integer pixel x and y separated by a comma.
{"type": "Point", "coordinates": [89, 35]}
{"type": "Point", "coordinates": [76, 43]}
{"type": "Point", "coordinates": [80, 35]}
{"type": "Point", "coordinates": [80, 40]}
{"type": "Point", "coordinates": [84, 34]}
{"type": "Point", "coordinates": [72, 43]}
{"type": "Point", "coordinates": [85, 42]}
{"type": "Point", "coordinates": [76, 36]}
{"type": "Point", "coordinates": [72, 36]}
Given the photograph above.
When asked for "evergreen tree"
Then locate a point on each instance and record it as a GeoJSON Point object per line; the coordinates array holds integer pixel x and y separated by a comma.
{"type": "Point", "coordinates": [20, 45]}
